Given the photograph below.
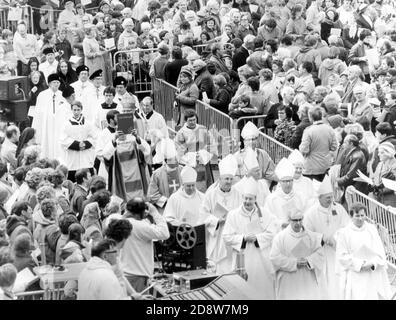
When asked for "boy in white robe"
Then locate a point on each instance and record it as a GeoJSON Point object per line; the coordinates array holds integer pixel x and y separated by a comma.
{"type": "Point", "coordinates": [327, 217]}
{"type": "Point", "coordinates": [219, 199]}
{"type": "Point", "coordinates": [284, 200]}
{"type": "Point", "coordinates": [78, 140]}
{"type": "Point", "coordinates": [183, 206]}
{"type": "Point", "coordinates": [51, 113]}
{"type": "Point", "coordinates": [361, 260]}
{"type": "Point", "coordinates": [250, 229]}
{"type": "Point", "coordinates": [297, 257]}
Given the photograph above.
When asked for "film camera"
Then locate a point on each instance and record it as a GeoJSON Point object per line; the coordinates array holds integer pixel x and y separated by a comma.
{"type": "Point", "coordinates": [185, 249]}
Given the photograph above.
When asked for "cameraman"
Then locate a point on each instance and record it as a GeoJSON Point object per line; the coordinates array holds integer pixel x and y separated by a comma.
{"type": "Point", "coordinates": [137, 256]}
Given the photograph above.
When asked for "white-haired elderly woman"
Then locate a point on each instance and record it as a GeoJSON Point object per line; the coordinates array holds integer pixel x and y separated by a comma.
{"type": "Point", "coordinates": [385, 169]}
{"type": "Point", "coordinates": [92, 223]}
{"type": "Point", "coordinates": [145, 27]}
{"type": "Point", "coordinates": [93, 52]}
{"type": "Point", "coordinates": [30, 155]}
{"type": "Point", "coordinates": [128, 38]}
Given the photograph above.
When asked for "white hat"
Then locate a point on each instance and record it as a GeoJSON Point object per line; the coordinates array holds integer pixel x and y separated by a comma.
{"type": "Point", "coordinates": [228, 166]}
{"type": "Point", "coordinates": [296, 214]}
{"type": "Point", "coordinates": [168, 148]}
{"type": "Point", "coordinates": [250, 159]}
{"type": "Point", "coordinates": [249, 131]}
{"type": "Point", "coordinates": [285, 169]}
{"type": "Point", "coordinates": [250, 186]}
{"type": "Point", "coordinates": [325, 187]}
{"type": "Point", "coordinates": [188, 175]}
{"type": "Point", "coordinates": [296, 157]}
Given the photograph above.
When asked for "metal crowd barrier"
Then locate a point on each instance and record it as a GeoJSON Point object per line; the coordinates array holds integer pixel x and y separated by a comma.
{"type": "Point", "coordinates": [383, 217]}
{"type": "Point", "coordinates": [218, 124]}
{"type": "Point", "coordinates": [274, 148]}
{"type": "Point", "coordinates": [164, 98]}
{"type": "Point", "coordinates": [19, 13]}
{"type": "Point", "coordinates": [134, 65]}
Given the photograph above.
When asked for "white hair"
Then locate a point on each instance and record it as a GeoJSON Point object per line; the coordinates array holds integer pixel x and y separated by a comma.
{"type": "Point", "coordinates": [249, 39]}
{"type": "Point", "coordinates": [145, 25]}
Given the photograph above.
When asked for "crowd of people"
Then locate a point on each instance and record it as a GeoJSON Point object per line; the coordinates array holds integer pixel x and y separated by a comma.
{"type": "Point", "coordinates": [92, 175]}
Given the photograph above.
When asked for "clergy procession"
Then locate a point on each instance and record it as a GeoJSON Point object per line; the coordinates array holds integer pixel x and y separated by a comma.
{"type": "Point", "coordinates": [118, 180]}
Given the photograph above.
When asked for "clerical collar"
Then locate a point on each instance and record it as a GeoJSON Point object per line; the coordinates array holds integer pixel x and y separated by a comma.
{"type": "Point", "coordinates": [148, 115]}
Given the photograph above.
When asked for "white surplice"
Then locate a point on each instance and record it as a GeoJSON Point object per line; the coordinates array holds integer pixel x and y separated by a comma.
{"type": "Point", "coordinates": [328, 221]}
{"type": "Point", "coordinates": [258, 266]}
{"type": "Point", "coordinates": [354, 245]}
{"type": "Point", "coordinates": [216, 250]}
{"type": "Point", "coordinates": [183, 208]}
{"type": "Point", "coordinates": [294, 283]}
{"type": "Point", "coordinates": [281, 204]}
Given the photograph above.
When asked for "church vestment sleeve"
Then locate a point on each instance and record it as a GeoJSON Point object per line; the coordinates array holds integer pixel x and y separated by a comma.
{"type": "Point", "coordinates": [264, 239]}
{"type": "Point", "coordinates": [316, 259]}
{"type": "Point", "coordinates": [170, 212]}
{"type": "Point", "coordinates": [210, 220]}
{"type": "Point", "coordinates": [88, 144]}
{"type": "Point", "coordinates": [380, 259]}
{"type": "Point", "coordinates": [230, 235]}
{"type": "Point", "coordinates": [75, 145]}
{"type": "Point", "coordinates": [153, 191]}
{"type": "Point", "coordinates": [280, 261]}
{"type": "Point", "coordinates": [344, 258]}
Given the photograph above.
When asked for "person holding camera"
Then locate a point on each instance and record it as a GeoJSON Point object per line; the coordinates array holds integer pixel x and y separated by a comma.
{"type": "Point", "coordinates": [137, 255]}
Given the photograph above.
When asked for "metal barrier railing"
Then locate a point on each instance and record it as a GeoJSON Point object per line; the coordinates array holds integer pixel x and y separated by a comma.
{"type": "Point", "coordinates": [134, 66]}
{"type": "Point", "coordinates": [274, 148]}
{"type": "Point", "coordinates": [164, 98]}
{"type": "Point", "coordinates": [16, 14]}
{"type": "Point", "coordinates": [383, 217]}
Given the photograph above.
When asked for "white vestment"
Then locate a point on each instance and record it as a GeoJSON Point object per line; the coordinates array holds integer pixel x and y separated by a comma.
{"type": "Point", "coordinates": [328, 221]}
{"type": "Point", "coordinates": [293, 283]}
{"type": "Point", "coordinates": [85, 92]}
{"type": "Point", "coordinates": [214, 204]}
{"type": "Point", "coordinates": [46, 68]}
{"type": "Point", "coordinates": [303, 186]}
{"type": "Point", "coordinates": [281, 204]}
{"type": "Point", "coordinates": [51, 113]}
{"type": "Point", "coordinates": [258, 266]}
{"type": "Point", "coordinates": [183, 208]}
{"type": "Point", "coordinates": [78, 159]}
{"type": "Point", "coordinates": [354, 245]}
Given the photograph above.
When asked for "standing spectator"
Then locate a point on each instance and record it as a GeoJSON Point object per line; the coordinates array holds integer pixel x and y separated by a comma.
{"type": "Point", "coordinates": [259, 59]}
{"type": "Point", "coordinates": [63, 45]}
{"type": "Point", "coordinates": [157, 69]}
{"type": "Point", "coordinates": [223, 97]}
{"type": "Point", "coordinates": [25, 47]}
{"type": "Point", "coordinates": [137, 255]}
{"type": "Point", "coordinates": [296, 25]}
{"type": "Point", "coordinates": [203, 79]}
{"type": "Point", "coordinates": [93, 53]}
{"type": "Point", "coordinates": [304, 123]}
{"type": "Point", "coordinates": [285, 126]}
{"type": "Point", "coordinates": [383, 132]}
{"type": "Point", "coordinates": [241, 54]}
{"type": "Point", "coordinates": [27, 138]}
{"type": "Point", "coordinates": [330, 66]}
{"type": "Point", "coordinates": [357, 54]}
{"type": "Point", "coordinates": [9, 147]}
{"type": "Point", "coordinates": [66, 74]}
{"type": "Point", "coordinates": [81, 190]}
{"type": "Point", "coordinates": [269, 30]}
{"type": "Point", "coordinates": [172, 69]}
{"type": "Point", "coordinates": [188, 92]}
{"type": "Point", "coordinates": [317, 143]}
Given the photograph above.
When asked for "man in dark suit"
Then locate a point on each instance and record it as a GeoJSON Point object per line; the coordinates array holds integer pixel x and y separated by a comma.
{"type": "Point", "coordinates": [242, 53]}
{"type": "Point", "coordinates": [390, 106]}
{"type": "Point", "coordinates": [172, 69]}
{"type": "Point", "coordinates": [80, 191]}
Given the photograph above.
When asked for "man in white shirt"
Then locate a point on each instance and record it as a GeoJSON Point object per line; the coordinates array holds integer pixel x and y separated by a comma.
{"type": "Point", "coordinates": [153, 119]}
{"type": "Point", "coordinates": [51, 64]}
{"type": "Point", "coordinates": [137, 255]}
{"type": "Point", "coordinates": [183, 206]}
{"type": "Point", "coordinates": [85, 91]}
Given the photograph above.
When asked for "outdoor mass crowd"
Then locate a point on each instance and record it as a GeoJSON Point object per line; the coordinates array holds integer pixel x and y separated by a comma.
{"type": "Point", "coordinates": [93, 174]}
